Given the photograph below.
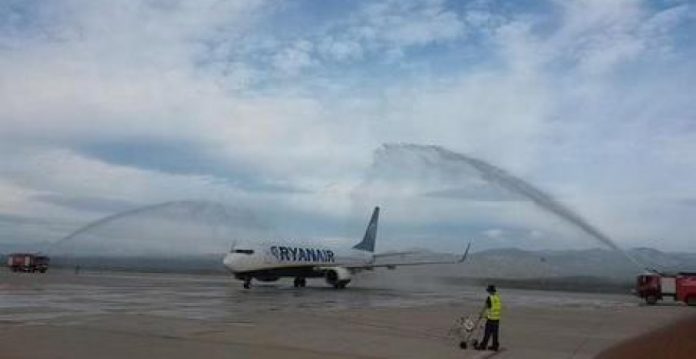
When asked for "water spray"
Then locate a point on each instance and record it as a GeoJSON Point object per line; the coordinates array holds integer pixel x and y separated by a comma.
{"type": "Point", "coordinates": [213, 214]}
{"type": "Point", "coordinates": [502, 178]}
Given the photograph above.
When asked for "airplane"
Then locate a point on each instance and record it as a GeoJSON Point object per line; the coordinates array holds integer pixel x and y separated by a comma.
{"type": "Point", "coordinates": [268, 262]}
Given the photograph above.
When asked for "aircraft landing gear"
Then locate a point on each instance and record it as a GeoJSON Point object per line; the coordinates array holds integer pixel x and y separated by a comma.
{"type": "Point", "coordinates": [247, 282]}
{"type": "Point", "coordinates": [300, 282]}
{"type": "Point", "coordinates": [341, 284]}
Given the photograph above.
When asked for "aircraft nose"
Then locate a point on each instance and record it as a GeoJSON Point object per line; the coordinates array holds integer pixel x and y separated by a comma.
{"type": "Point", "coordinates": [228, 261]}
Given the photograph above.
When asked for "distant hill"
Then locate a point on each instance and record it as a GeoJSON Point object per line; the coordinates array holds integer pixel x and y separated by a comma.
{"type": "Point", "coordinates": [516, 263]}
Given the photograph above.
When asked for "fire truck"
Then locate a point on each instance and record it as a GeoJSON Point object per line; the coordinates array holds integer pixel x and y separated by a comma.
{"type": "Point", "coordinates": [27, 262]}
{"type": "Point", "coordinates": [681, 287]}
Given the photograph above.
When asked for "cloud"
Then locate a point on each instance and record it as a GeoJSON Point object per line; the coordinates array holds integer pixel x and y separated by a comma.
{"type": "Point", "coordinates": [474, 193]}
{"type": "Point", "coordinates": [260, 103]}
{"type": "Point", "coordinates": [598, 35]}
{"type": "Point", "coordinates": [494, 233]}
{"type": "Point", "coordinates": [293, 59]}
{"type": "Point", "coordinates": [378, 31]}
{"type": "Point", "coordinates": [341, 50]}
{"type": "Point", "coordinates": [181, 158]}
{"type": "Point", "coordinates": [409, 23]}
{"type": "Point", "coordinates": [87, 204]}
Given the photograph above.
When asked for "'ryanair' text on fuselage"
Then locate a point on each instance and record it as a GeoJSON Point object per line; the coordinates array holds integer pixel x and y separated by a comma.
{"type": "Point", "coordinates": [294, 254]}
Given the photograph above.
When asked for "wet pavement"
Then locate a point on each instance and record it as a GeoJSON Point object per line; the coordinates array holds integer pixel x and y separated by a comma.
{"type": "Point", "coordinates": [39, 297]}
{"type": "Point", "coordinates": [387, 314]}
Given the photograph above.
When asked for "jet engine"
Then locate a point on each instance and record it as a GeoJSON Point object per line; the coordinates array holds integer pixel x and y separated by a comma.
{"type": "Point", "coordinates": [338, 277]}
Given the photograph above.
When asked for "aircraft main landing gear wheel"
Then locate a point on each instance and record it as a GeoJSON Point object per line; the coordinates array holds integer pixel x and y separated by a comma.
{"type": "Point", "coordinates": [341, 284]}
{"type": "Point", "coordinates": [247, 283]}
{"type": "Point", "coordinates": [462, 345]}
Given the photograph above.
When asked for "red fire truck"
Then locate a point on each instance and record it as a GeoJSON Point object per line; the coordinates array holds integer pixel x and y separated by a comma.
{"type": "Point", "coordinates": [26, 262]}
{"type": "Point", "coordinates": [657, 286]}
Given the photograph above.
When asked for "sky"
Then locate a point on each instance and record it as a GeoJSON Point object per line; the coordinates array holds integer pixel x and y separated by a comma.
{"type": "Point", "coordinates": [283, 107]}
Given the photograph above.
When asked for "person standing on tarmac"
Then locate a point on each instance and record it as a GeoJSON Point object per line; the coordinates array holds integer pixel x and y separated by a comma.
{"type": "Point", "coordinates": [492, 311]}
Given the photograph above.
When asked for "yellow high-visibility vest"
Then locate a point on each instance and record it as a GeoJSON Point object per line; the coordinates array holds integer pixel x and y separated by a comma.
{"type": "Point", "coordinates": [496, 307]}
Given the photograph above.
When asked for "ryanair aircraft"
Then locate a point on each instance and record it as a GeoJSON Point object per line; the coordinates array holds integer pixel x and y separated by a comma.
{"type": "Point", "coordinates": [270, 262]}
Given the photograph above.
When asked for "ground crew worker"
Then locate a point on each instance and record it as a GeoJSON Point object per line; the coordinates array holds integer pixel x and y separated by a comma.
{"type": "Point", "coordinates": [492, 311]}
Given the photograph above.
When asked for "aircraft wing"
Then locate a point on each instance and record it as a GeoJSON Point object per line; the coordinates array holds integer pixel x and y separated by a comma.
{"type": "Point", "coordinates": [394, 254]}
{"type": "Point", "coordinates": [412, 263]}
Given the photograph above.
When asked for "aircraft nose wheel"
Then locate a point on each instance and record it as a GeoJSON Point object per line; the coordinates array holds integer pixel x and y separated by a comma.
{"type": "Point", "coordinates": [300, 282]}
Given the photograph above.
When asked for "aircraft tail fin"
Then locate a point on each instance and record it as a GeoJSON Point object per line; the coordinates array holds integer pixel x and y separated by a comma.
{"type": "Point", "coordinates": [368, 242]}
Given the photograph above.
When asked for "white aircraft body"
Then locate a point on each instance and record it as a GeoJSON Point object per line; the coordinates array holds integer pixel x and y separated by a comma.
{"type": "Point", "coordinates": [268, 262]}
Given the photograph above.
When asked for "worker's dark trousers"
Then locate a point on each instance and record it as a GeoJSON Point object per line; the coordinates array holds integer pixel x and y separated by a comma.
{"type": "Point", "coordinates": [491, 329]}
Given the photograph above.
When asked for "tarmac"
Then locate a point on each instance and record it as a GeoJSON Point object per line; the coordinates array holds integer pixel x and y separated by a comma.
{"type": "Point", "coordinates": [381, 315]}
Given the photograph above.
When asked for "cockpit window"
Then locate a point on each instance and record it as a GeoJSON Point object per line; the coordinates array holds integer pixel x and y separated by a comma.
{"type": "Point", "coordinates": [244, 251]}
